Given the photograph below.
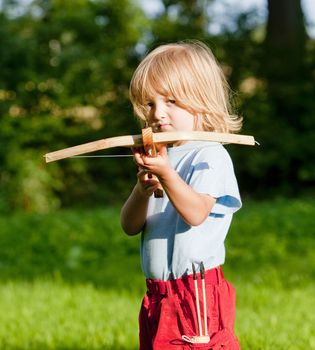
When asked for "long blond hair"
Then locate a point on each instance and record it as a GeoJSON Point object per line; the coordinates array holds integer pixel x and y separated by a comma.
{"type": "Point", "coordinates": [188, 72]}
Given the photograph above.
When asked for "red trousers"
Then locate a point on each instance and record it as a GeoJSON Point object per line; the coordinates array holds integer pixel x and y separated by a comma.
{"type": "Point", "coordinates": [169, 312]}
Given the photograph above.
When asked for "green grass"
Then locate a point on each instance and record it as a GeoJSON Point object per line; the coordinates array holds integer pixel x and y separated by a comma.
{"type": "Point", "coordinates": [53, 315]}
{"type": "Point", "coordinates": [72, 280]}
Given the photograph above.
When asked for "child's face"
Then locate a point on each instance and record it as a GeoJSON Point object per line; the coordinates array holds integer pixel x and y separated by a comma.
{"type": "Point", "coordinates": [165, 115]}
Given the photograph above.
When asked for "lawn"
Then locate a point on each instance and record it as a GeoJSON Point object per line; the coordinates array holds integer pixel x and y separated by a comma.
{"type": "Point", "coordinates": [72, 280]}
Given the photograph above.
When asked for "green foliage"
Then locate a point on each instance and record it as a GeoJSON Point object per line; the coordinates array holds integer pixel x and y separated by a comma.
{"type": "Point", "coordinates": [72, 279]}
{"type": "Point", "coordinates": [65, 70]}
{"type": "Point", "coordinates": [66, 76]}
{"type": "Point", "coordinates": [276, 100]}
{"type": "Point", "coordinates": [181, 20]}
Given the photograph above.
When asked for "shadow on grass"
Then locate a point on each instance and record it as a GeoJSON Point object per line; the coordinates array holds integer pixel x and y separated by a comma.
{"type": "Point", "coordinates": [73, 246]}
{"type": "Point", "coordinates": [266, 239]}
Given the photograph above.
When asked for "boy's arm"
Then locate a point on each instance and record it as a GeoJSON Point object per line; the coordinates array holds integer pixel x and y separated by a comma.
{"type": "Point", "coordinates": [134, 211]}
{"type": "Point", "coordinates": [192, 206]}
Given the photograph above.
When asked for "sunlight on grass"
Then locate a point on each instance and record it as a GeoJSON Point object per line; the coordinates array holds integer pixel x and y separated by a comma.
{"type": "Point", "coordinates": [275, 318]}
{"type": "Point", "coordinates": [50, 315]}
{"type": "Point", "coordinates": [54, 315]}
{"type": "Point", "coordinates": [71, 280]}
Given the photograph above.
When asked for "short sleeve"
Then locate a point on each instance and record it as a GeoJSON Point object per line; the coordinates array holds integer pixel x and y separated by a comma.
{"type": "Point", "coordinates": [212, 172]}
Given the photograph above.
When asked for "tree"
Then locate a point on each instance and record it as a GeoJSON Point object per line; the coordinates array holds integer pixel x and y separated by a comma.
{"type": "Point", "coordinates": [279, 109]}
{"type": "Point", "coordinates": [181, 19]}
{"type": "Point", "coordinates": [66, 70]}
{"type": "Point", "coordinates": [289, 86]}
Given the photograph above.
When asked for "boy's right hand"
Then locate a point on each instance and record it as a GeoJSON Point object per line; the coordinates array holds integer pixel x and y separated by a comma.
{"type": "Point", "coordinates": [147, 183]}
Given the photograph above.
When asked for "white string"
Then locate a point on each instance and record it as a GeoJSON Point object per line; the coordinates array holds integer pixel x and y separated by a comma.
{"type": "Point", "coordinates": [105, 156]}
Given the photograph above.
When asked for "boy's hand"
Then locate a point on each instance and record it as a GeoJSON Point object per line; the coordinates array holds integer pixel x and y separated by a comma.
{"type": "Point", "coordinates": [147, 183]}
{"type": "Point", "coordinates": [158, 166]}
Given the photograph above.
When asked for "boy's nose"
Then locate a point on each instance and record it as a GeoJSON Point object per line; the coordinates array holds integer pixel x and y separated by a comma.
{"type": "Point", "coordinates": [159, 112]}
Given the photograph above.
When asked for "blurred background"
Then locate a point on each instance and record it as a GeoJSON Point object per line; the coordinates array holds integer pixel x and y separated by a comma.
{"type": "Point", "coordinates": [65, 69]}
{"type": "Point", "coordinates": [69, 278]}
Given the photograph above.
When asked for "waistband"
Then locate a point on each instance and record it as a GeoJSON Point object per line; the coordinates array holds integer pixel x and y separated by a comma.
{"type": "Point", "coordinates": [212, 277]}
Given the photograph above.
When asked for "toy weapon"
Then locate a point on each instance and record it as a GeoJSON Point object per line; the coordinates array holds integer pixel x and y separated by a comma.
{"type": "Point", "coordinates": [148, 139]}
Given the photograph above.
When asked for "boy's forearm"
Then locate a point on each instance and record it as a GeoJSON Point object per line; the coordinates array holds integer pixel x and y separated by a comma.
{"type": "Point", "coordinates": [193, 207]}
{"type": "Point", "coordinates": [133, 213]}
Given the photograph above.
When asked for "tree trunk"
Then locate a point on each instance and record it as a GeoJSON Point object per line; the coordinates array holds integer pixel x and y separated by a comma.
{"type": "Point", "coordinates": [284, 59]}
{"type": "Point", "coordinates": [285, 27]}
{"type": "Point", "coordinates": [288, 86]}
{"type": "Point", "coordinates": [285, 39]}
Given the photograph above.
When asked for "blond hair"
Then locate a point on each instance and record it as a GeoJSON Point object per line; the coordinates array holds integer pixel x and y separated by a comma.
{"type": "Point", "coordinates": [188, 73]}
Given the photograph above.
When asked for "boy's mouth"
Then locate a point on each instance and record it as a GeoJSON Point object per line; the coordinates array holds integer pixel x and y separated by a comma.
{"type": "Point", "coordinates": [164, 126]}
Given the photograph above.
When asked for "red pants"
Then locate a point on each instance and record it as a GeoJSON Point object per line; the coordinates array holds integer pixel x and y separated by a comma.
{"type": "Point", "coordinates": [169, 312]}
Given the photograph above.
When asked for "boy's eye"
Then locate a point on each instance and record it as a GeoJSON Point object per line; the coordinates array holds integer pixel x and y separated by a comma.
{"type": "Point", "coordinates": [149, 104]}
{"type": "Point", "coordinates": [171, 101]}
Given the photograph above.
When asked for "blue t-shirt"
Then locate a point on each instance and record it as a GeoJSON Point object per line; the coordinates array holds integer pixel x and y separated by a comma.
{"type": "Point", "coordinates": [169, 245]}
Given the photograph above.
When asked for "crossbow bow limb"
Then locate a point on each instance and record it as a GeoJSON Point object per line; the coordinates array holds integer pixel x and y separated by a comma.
{"type": "Point", "coordinates": [148, 139]}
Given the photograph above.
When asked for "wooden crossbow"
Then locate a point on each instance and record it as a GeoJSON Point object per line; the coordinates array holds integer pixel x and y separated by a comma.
{"type": "Point", "coordinates": [147, 140]}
